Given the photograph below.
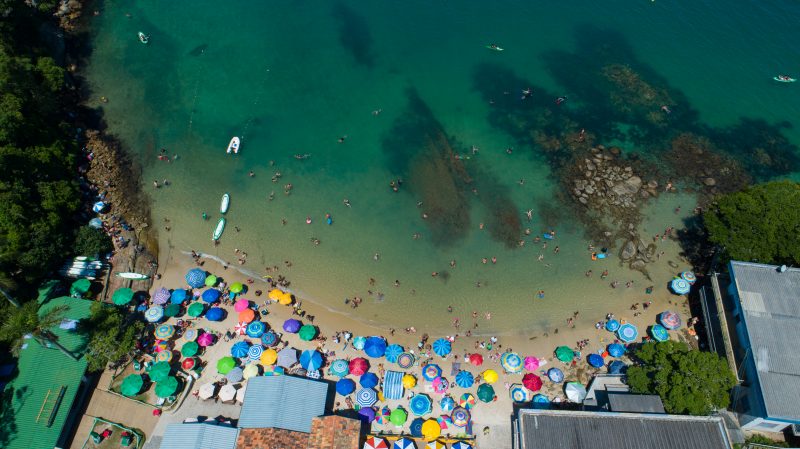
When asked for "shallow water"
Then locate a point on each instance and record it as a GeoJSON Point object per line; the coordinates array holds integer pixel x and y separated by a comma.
{"type": "Point", "coordinates": [291, 78]}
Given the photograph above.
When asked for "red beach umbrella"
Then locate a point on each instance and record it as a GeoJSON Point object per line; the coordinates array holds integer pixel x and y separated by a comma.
{"type": "Point", "coordinates": [532, 382]}
{"type": "Point", "coordinates": [188, 363]}
{"type": "Point", "coordinates": [476, 359]}
{"type": "Point", "coordinates": [358, 366]}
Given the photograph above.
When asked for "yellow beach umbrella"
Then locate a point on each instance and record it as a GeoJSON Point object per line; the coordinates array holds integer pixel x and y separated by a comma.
{"type": "Point", "coordinates": [275, 294]}
{"type": "Point", "coordinates": [381, 398]}
{"type": "Point", "coordinates": [431, 430]}
{"type": "Point", "coordinates": [490, 376]}
{"type": "Point", "coordinates": [435, 445]}
{"type": "Point", "coordinates": [250, 370]}
{"type": "Point", "coordinates": [409, 381]}
{"type": "Point", "coordinates": [285, 299]}
{"type": "Point", "coordinates": [269, 356]}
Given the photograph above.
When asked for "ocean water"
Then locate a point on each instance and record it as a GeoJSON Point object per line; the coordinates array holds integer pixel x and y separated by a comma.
{"type": "Point", "coordinates": [294, 77]}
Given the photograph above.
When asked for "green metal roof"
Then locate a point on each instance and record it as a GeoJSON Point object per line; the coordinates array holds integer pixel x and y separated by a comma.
{"type": "Point", "coordinates": [41, 370]}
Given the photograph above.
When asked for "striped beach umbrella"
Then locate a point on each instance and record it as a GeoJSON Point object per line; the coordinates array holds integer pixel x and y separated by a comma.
{"type": "Point", "coordinates": [442, 347]}
{"type": "Point", "coordinates": [240, 349]}
{"type": "Point", "coordinates": [240, 328]}
{"type": "Point", "coordinates": [659, 332]}
{"type": "Point", "coordinates": [311, 360]}
{"type": "Point", "coordinates": [420, 404]}
{"type": "Point", "coordinates": [437, 444]}
{"type": "Point", "coordinates": [366, 397]}
{"type": "Point", "coordinates": [406, 360]}
{"type": "Point", "coordinates": [403, 443]}
{"type": "Point", "coordinates": [255, 351]}
{"type": "Point", "coordinates": [555, 375]}
{"type": "Point", "coordinates": [612, 325]}
{"type": "Point", "coordinates": [511, 362]}
{"type": "Point", "coordinates": [431, 371]}
{"type": "Point", "coordinates": [445, 421]}
{"type": "Point", "coordinates": [465, 379]}
{"type": "Point", "coordinates": [447, 403]}
{"type": "Point", "coordinates": [460, 416]}
{"type": "Point", "coordinates": [190, 334]}
{"type": "Point", "coordinates": [627, 332]}
{"type": "Point", "coordinates": [669, 320]}
{"type": "Point", "coordinates": [615, 350]}
{"type": "Point", "coordinates": [164, 356]}
{"type": "Point", "coordinates": [358, 342]}
{"type": "Point", "coordinates": [689, 277]}
{"type": "Point", "coordinates": [196, 278]}
{"type": "Point", "coordinates": [393, 351]}
{"type": "Point", "coordinates": [164, 331]}
{"type": "Point", "coordinates": [161, 296]}
{"type": "Point", "coordinates": [541, 399]}
{"type": "Point", "coordinates": [518, 393]}
{"type": "Point", "coordinates": [467, 401]}
{"type": "Point", "coordinates": [154, 314]}
{"type": "Point", "coordinates": [339, 367]}
{"type": "Point", "coordinates": [461, 445]}
{"type": "Point", "coordinates": [256, 329]}
{"type": "Point", "coordinates": [375, 443]}
{"type": "Point", "coordinates": [680, 286]}
{"type": "Point", "coordinates": [269, 338]}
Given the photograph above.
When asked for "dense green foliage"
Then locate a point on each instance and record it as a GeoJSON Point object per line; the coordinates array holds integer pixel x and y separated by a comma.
{"type": "Point", "coordinates": [112, 335]}
{"type": "Point", "coordinates": [38, 192]}
{"type": "Point", "coordinates": [759, 224]}
{"type": "Point", "coordinates": [91, 241]}
{"type": "Point", "coordinates": [26, 320]}
{"type": "Point", "coordinates": [688, 381]}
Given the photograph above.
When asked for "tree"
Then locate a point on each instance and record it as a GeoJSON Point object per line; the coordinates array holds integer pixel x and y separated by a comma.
{"type": "Point", "coordinates": [91, 241]}
{"type": "Point", "coordinates": [688, 381]}
{"type": "Point", "coordinates": [760, 223]}
{"type": "Point", "coordinates": [27, 320]}
{"type": "Point", "coordinates": [112, 335]}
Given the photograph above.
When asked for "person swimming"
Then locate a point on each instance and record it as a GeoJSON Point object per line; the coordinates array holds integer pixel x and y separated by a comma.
{"type": "Point", "coordinates": [560, 100]}
{"type": "Point", "coordinates": [666, 109]}
{"type": "Point", "coordinates": [526, 93]}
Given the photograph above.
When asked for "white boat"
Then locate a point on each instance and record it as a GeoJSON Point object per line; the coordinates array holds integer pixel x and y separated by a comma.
{"type": "Point", "coordinates": [143, 38]}
{"type": "Point", "coordinates": [134, 276]}
{"type": "Point", "coordinates": [233, 147]}
{"type": "Point", "coordinates": [226, 202]}
{"type": "Point", "coordinates": [218, 230]}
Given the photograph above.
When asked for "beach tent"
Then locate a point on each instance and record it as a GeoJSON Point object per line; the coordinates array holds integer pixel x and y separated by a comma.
{"type": "Point", "coordinates": [465, 379]}
{"type": "Point", "coordinates": [392, 384]}
{"type": "Point", "coordinates": [366, 397]}
{"type": "Point", "coordinates": [358, 366]}
{"type": "Point", "coordinates": [178, 296]}
{"type": "Point", "coordinates": [442, 347]}
{"type": "Point", "coordinates": [122, 296]}
{"type": "Point", "coordinates": [196, 278]}
{"type": "Point", "coordinates": [575, 392]}
{"type": "Point", "coordinates": [486, 393]}
{"type": "Point", "coordinates": [595, 360]}
{"type": "Point", "coordinates": [393, 351]}
{"type": "Point", "coordinates": [287, 357]}
{"type": "Point", "coordinates": [311, 360]}
{"type": "Point", "coordinates": [368, 380]}
{"type": "Point", "coordinates": [375, 347]}
{"type": "Point", "coordinates": [615, 350]}
{"type": "Point", "coordinates": [565, 354]}
{"type": "Point", "coordinates": [215, 314]}
{"type": "Point", "coordinates": [532, 382]}
{"type": "Point", "coordinates": [345, 386]}
{"type": "Point", "coordinates": [420, 404]}
{"type": "Point", "coordinates": [511, 362]}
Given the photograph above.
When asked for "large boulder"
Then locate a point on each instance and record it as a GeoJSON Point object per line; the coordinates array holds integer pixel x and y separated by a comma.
{"type": "Point", "coordinates": [628, 251]}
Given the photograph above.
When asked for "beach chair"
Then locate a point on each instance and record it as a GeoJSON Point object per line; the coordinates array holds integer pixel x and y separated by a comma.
{"type": "Point", "coordinates": [125, 439]}
{"type": "Point", "coordinates": [96, 438]}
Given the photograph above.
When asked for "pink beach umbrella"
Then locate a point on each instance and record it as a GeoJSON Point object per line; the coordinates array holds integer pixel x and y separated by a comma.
{"type": "Point", "coordinates": [205, 339]}
{"type": "Point", "coordinates": [440, 385]}
{"type": "Point", "coordinates": [240, 328]}
{"type": "Point", "coordinates": [241, 305]}
{"type": "Point", "coordinates": [531, 363]}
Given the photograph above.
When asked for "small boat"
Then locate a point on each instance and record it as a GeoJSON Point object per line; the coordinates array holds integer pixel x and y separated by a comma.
{"type": "Point", "coordinates": [218, 230]}
{"type": "Point", "coordinates": [226, 201]}
{"type": "Point", "coordinates": [233, 147]}
{"type": "Point", "coordinates": [784, 79]}
{"type": "Point", "coordinates": [133, 276]}
{"type": "Point", "coordinates": [494, 47]}
{"type": "Point", "coordinates": [143, 38]}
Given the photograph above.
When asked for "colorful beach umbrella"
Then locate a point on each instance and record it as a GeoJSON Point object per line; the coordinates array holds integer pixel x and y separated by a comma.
{"type": "Point", "coordinates": [215, 314]}
{"type": "Point", "coordinates": [409, 381]}
{"type": "Point", "coordinates": [240, 328]}
{"type": "Point", "coordinates": [406, 360]}
{"type": "Point", "coordinates": [210, 281]}
{"type": "Point", "coordinates": [131, 385]}
{"type": "Point", "coordinates": [358, 366]}
{"type": "Point", "coordinates": [375, 347]}
{"type": "Point", "coordinates": [437, 444]}
{"type": "Point", "coordinates": [431, 371]}
{"type": "Point", "coordinates": [247, 315]}
{"type": "Point", "coordinates": [616, 367]}
{"type": "Point", "coordinates": [190, 349]}
{"type": "Point", "coordinates": [190, 334]}
{"type": "Point", "coordinates": [196, 278]}
{"type": "Point", "coordinates": [368, 380]}
{"type": "Point", "coordinates": [486, 393]}
{"type": "Point", "coordinates": [236, 374]}
{"type": "Point", "coordinates": [122, 296]}
{"type": "Point", "coordinates": [269, 357]}
{"type": "Point", "coordinates": [269, 338]}
{"type": "Point", "coordinates": [612, 325]}
{"type": "Point", "coordinates": [225, 364]}
{"type": "Point", "coordinates": [445, 421]}
{"type": "Point", "coordinates": [518, 393]}
{"type": "Point", "coordinates": [256, 329]}
{"type": "Point", "coordinates": [532, 382]}
{"type": "Point", "coordinates": [393, 351]}
{"type": "Point", "coordinates": [159, 371]}
{"type": "Point", "coordinates": [241, 304]}
{"type": "Point", "coordinates": [250, 370]}
{"type": "Point", "coordinates": [172, 310]}
{"type": "Point", "coordinates": [164, 331]}
{"type": "Point", "coordinates": [565, 354]}
{"type": "Point", "coordinates": [211, 295]}
{"type": "Point", "coordinates": [689, 277]}
{"type": "Point", "coordinates": [555, 375]}
{"type": "Point", "coordinates": [311, 360]}
{"type": "Point", "coordinates": [167, 387]}
{"type": "Point", "coordinates": [575, 392]}
{"type": "Point", "coordinates": [154, 314]}
{"type": "Point", "coordinates": [465, 379]}
{"type": "Point", "coordinates": [460, 416]}
{"type": "Point", "coordinates": [420, 404]}
{"type": "Point", "coordinates": [178, 296]}
{"type": "Point", "coordinates": [344, 386]}
{"type": "Point", "coordinates": [375, 443]}
{"type": "Point", "coordinates": [627, 332]}
{"type": "Point", "coordinates": [595, 360]}
{"type": "Point", "coordinates": [659, 332]}
{"type": "Point", "coordinates": [398, 417]}
{"type": "Point", "coordinates": [205, 339]}
{"type": "Point", "coordinates": [431, 429]}
{"type": "Point", "coordinates": [161, 296]}
{"type": "Point", "coordinates": [669, 320]}
{"type": "Point", "coordinates": [366, 397]}
{"type": "Point", "coordinates": [240, 349]}
{"type": "Point", "coordinates": [476, 359]}
{"type": "Point", "coordinates": [531, 363]}
{"type": "Point", "coordinates": [366, 414]}
{"type": "Point", "coordinates": [440, 385]}
{"type": "Point", "coordinates": [307, 332]}
{"type": "Point", "coordinates": [541, 399]}
{"type": "Point", "coordinates": [255, 351]}
{"type": "Point", "coordinates": [461, 445]}
{"type": "Point", "coordinates": [195, 310]}
{"type": "Point", "coordinates": [680, 286]}
{"type": "Point", "coordinates": [467, 401]}
{"type": "Point", "coordinates": [403, 443]}
{"type": "Point", "coordinates": [236, 287]}
{"type": "Point", "coordinates": [615, 350]}
{"type": "Point", "coordinates": [511, 362]}
{"type": "Point", "coordinates": [447, 403]}
{"type": "Point", "coordinates": [490, 376]}
{"type": "Point", "coordinates": [291, 325]}
{"type": "Point", "coordinates": [442, 347]}
{"type": "Point", "coordinates": [339, 367]}
{"type": "Point", "coordinates": [359, 342]}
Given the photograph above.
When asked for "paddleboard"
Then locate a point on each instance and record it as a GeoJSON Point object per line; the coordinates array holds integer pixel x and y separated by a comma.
{"type": "Point", "coordinates": [226, 201]}
{"type": "Point", "coordinates": [133, 276]}
{"type": "Point", "coordinates": [495, 48]}
{"type": "Point", "coordinates": [789, 80]}
{"type": "Point", "coordinates": [218, 230]}
{"type": "Point", "coordinates": [233, 146]}
{"type": "Point", "coordinates": [548, 236]}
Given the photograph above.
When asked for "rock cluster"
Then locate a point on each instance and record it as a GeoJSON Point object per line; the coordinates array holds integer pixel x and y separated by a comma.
{"type": "Point", "coordinates": [607, 182]}
{"type": "Point", "coordinates": [637, 254]}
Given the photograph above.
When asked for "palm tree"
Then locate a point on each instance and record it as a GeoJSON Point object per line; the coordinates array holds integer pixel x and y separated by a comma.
{"type": "Point", "coordinates": [26, 320]}
{"type": "Point", "coordinates": [8, 283]}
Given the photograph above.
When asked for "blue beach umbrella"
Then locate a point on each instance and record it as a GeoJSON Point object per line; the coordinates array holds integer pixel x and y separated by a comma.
{"type": "Point", "coordinates": [291, 325]}
{"type": "Point", "coordinates": [358, 342]}
{"type": "Point", "coordinates": [511, 362]}
{"type": "Point", "coordinates": [541, 399]}
{"type": "Point", "coordinates": [420, 404]}
{"type": "Point", "coordinates": [464, 379]}
{"type": "Point", "coordinates": [366, 397]}
{"type": "Point", "coordinates": [255, 329]}
{"type": "Point", "coordinates": [240, 349]}
{"type": "Point", "coordinates": [343, 386]}
{"type": "Point", "coordinates": [612, 325]}
{"type": "Point", "coordinates": [461, 445]}
{"type": "Point", "coordinates": [406, 360]}
{"type": "Point", "coordinates": [404, 443]}
{"type": "Point", "coordinates": [98, 207]}
{"type": "Point", "coordinates": [211, 295]}
{"type": "Point", "coordinates": [196, 278]}
{"type": "Point", "coordinates": [235, 375]}
{"type": "Point", "coordinates": [215, 314]}
{"type": "Point", "coordinates": [442, 347]}
{"type": "Point", "coordinates": [431, 371]}
{"type": "Point", "coordinates": [311, 360]}
{"type": "Point", "coordinates": [269, 338]}
{"type": "Point", "coordinates": [96, 223]}
{"type": "Point", "coordinates": [178, 296]}
{"type": "Point", "coordinates": [670, 320]}
{"type": "Point", "coordinates": [375, 347]}
{"type": "Point", "coordinates": [627, 332]}
{"type": "Point", "coordinates": [615, 350]}
{"type": "Point", "coordinates": [339, 367]}
{"type": "Point", "coordinates": [393, 351]}
{"type": "Point", "coordinates": [616, 367]}
{"type": "Point", "coordinates": [680, 286]}
{"type": "Point", "coordinates": [595, 360]}
{"type": "Point", "coordinates": [255, 351]}
{"type": "Point", "coordinates": [366, 414]}
{"type": "Point", "coordinates": [659, 332]}
{"type": "Point", "coordinates": [153, 314]}
{"type": "Point", "coordinates": [689, 277]}
{"type": "Point", "coordinates": [368, 380]}
{"type": "Point", "coordinates": [416, 427]}
{"type": "Point", "coordinates": [518, 393]}
{"type": "Point", "coordinates": [555, 375]}
{"type": "Point", "coordinates": [447, 403]}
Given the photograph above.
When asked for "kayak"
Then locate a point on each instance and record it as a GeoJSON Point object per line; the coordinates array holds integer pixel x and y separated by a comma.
{"type": "Point", "coordinates": [143, 38]}
{"type": "Point", "coordinates": [784, 80]}
{"type": "Point", "coordinates": [495, 48]}
{"type": "Point", "coordinates": [548, 236]}
{"type": "Point", "coordinates": [133, 276]}
{"type": "Point", "coordinates": [233, 147]}
{"type": "Point", "coordinates": [218, 230]}
{"type": "Point", "coordinates": [226, 201]}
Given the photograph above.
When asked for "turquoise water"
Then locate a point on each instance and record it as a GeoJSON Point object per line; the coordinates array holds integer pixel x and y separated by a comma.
{"type": "Point", "coordinates": [292, 78]}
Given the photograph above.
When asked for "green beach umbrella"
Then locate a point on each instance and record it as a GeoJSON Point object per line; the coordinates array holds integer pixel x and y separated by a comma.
{"type": "Point", "coordinates": [167, 387]}
{"type": "Point", "coordinates": [159, 371]}
{"type": "Point", "coordinates": [122, 296]}
{"type": "Point", "coordinates": [237, 287]}
{"type": "Point", "coordinates": [131, 385]}
{"type": "Point", "coordinates": [307, 332]}
{"type": "Point", "coordinates": [398, 417]}
{"type": "Point", "coordinates": [486, 393]}
{"type": "Point", "coordinates": [189, 349]}
{"type": "Point", "coordinates": [225, 365]}
{"type": "Point", "coordinates": [172, 310]}
{"type": "Point", "coordinates": [195, 310]}
{"type": "Point", "coordinates": [565, 354]}
{"type": "Point", "coordinates": [80, 286]}
{"type": "Point", "coordinates": [211, 280]}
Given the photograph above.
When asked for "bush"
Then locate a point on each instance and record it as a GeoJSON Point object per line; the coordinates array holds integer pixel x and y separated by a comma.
{"type": "Point", "coordinates": [91, 242]}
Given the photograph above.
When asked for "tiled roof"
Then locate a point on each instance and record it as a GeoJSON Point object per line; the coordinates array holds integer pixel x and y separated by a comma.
{"type": "Point", "coordinates": [199, 436]}
{"type": "Point", "coordinates": [283, 402]}
{"type": "Point", "coordinates": [327, 432]}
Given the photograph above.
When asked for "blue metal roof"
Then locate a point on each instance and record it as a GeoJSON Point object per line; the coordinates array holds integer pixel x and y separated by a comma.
{"type": "Point", "coordinates": [199, 436]}
{"type": "Point", "coordinates": [282, 402]}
